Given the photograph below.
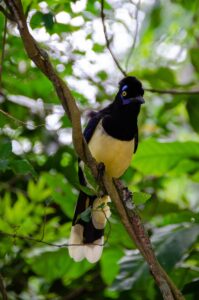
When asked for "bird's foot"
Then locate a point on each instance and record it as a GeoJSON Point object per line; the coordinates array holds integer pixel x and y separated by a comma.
{"type": "Point", "coordinates": [127, 195]}
{"type": "Point", "coordinates": [125, 191]}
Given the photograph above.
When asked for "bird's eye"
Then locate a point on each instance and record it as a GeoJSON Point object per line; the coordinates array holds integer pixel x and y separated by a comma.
{"type": "Point", "coordinates": [124, 93]}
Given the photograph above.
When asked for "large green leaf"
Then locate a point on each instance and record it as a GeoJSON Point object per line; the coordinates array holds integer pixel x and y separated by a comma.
{"type": "Point", "coordinates": [110, 264]}
{"type": "Point", "coordinates": [56, 264]}
{"type": "Point", "coordinates": [171, 243]}
{"type": "Point", "coordinates": [62, 192]}
{"type": "Point", "coordinates": [157, 158]}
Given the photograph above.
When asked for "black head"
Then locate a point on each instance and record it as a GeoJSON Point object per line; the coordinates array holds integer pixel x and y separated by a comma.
{"type": "Point", "coordinates": [130, 91]}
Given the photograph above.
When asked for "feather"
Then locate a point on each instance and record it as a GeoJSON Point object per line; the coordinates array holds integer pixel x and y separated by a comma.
{"type": "Point", "coordinates": [76, 248]}
{"type": "Point", "coordinates": [78, 251]}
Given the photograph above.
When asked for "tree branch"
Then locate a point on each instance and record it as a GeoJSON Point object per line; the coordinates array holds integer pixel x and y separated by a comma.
{"type": "Point", "coordinates": [129, 218]}
{"type": "Point", "coordinates": [6, 14]}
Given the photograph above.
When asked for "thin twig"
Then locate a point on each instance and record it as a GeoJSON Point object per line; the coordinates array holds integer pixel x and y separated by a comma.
{"type": "Point", "coordinates": [135, 35]}
{"type": "Point", "coordinates": [108, 42]}
{"type": "Point", "coordinates": [173, 92]}
{"type": "Point", "coordinates": [41, 241]}
{"type": "Point", "coordinates": [19, 121]}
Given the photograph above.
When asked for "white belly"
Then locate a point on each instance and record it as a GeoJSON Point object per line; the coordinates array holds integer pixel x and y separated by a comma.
{"type": "Point", "coordinates": [115, 154]}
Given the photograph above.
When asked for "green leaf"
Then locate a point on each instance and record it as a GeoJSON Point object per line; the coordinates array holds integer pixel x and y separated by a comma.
{"type": "Point", "coordinates": [171, 244]}
{"type": "Point", "coordinates": [51, 265]}
{"type": "Point", "coordinates": [185, 166]}
{"type": "Point", "coordinates": [5, 149]}
{"type": "Point", "coordinates": [171, 250]}
{"type": "Point", "coordinates": [194, 53]}
{"type": "Point", "coordinates": [4, 164]}
{"type": "Point", "coordinates": [56, 264]}
{"type": "Point", "coordinates": [86, 215]}
{"type": "Point", "coordinates": [160, 78]}
{"type": "Point", "coordinates": [48, 20]}
{"type": "Point", "coordinates": [36, 20]}
{"type": "Point", "coordinates": [156, 17]}
{"type": "Point", "coordinates": [22, 166]}
{"type": "Point", "coordinates": [193, 110]}
{"type": "Point", "coordinates": [117, 230]}
{"type": "Point", "coordinates": [86, 190]}
{"type": "Point", "coordinates": [191, 287]}
{"type": "Point", "coordinates": [109, 264]}
{"type": "Point", "coordinates": [102, 75]}
{"type": "Point", "coordinates": [61, 192]}
{"type": "Point", "coordinates": [98, 48]}
{"type": "Point", "coordinates": [140, 197]}
{"type": "Point", "coordinates": [38, 191]}
{"type": "Point", "coordinates": [158, 158]}
{"type": "Point", "coordinates": [90, 179]}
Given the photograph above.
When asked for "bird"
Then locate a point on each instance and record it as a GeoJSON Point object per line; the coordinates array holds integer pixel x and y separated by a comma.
{"type": "Point", "coordinates": [112, 137]}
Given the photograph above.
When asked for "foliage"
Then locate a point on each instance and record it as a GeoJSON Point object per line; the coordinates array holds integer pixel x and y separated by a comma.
{"type": "Point", "coordinates": [38, 166]}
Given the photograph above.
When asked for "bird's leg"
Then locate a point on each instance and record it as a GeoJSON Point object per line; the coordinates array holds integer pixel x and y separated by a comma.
{"type": "Point", "coordinates": [101, 170]}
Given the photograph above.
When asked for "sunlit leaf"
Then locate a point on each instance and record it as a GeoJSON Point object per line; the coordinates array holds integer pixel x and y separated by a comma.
{"type": "Point", "coordinates": [140, 197]}
{"type": "Point", "coordinates": [157, 158]}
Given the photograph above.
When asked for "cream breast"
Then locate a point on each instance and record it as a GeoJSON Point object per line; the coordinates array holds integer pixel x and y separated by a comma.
{"type": "Point", "coordinates": [115, 154]}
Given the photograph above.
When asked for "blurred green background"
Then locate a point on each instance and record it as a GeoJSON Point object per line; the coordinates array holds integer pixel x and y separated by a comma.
{"type": "Point", "coordinates": [38, 169]}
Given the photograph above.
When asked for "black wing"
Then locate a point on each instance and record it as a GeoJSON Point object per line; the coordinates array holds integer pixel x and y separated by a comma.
{"type": "Point", "coordinates": [88, 132]}
{"type": "Point", "coordinates": [136, 141]}
{"type": "Point", "coordinates": [90, 128]}
{"type": "Point", "coordinates": [94, 120]}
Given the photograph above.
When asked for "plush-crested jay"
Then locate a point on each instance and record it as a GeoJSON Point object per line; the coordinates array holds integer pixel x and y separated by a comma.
{"type": "Point", "coordinates": [112, 137]}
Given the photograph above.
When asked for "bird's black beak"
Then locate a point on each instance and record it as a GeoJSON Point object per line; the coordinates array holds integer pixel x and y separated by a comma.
{"type": "Point", "coordinates": [139, 99]}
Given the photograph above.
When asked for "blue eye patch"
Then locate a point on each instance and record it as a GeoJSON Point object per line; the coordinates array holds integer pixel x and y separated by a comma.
{"type": "Point", "coordinates": [124, 87]}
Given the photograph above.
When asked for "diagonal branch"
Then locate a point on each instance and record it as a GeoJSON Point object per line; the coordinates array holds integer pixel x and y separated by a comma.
{"type": "Point", "coordinates": [129, 218]}
{"type": "Point", "coordinates": [6, 14]}
{"type": "Point", "coordinates": [108, 42]}
{"type": "Point", "coordinates": [137, 8]}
